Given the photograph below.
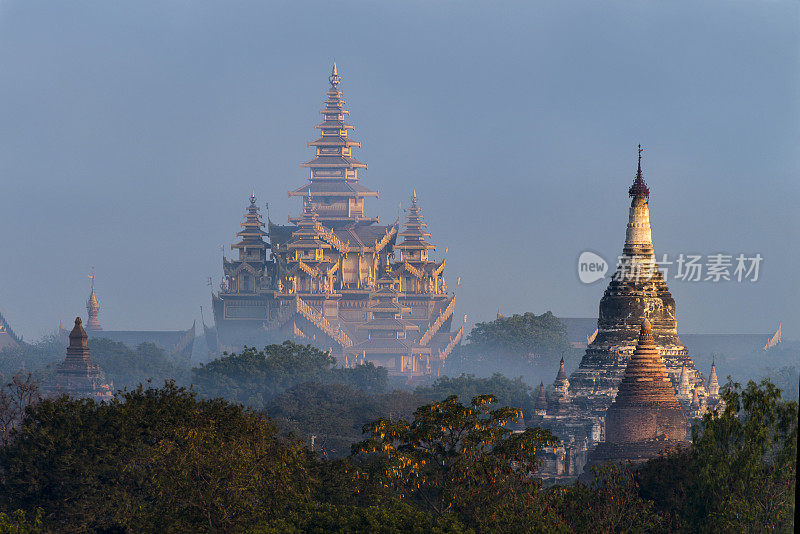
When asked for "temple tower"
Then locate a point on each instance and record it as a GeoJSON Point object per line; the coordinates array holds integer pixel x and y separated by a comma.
{"type": "Point", "coordinates": [540, 407]}
{"type": "Point", "coordinates": [333, 183]}
{"type": "Point", "coordinates": [636, 291]}
{"type": "Point", "coordinates": [713, 383]}
{"type": "Point", "coordinates": [645, 418]}
{"type": "Point", "coordinates": [93, 312]}
{"type": "Point", "coordinates": [246, 274]}
{"type": "Point", "coordinates": [418, 274]}
{"type": "Point", "coordinates": [684, 387]}
{"type": "Point", "coordinates": [78, 375]}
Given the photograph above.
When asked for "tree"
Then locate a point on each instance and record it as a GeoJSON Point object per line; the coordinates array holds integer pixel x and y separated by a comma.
{"type": "Point", "coordinates": [15, 397]}
{"type": "Point", "coordinates": [127, 367]}
{"type": "Point", "coordinates": [739, 474]}
{"type": "Point", "coordinates": [457, 459]}
{"type": "Point", "coordinates": [253, 377]}
{"type": "Point", "coordinates": [509, 392]}
{"type": "Point", "coordinates": [526, 334]}
{"type": "Point", "coordinates": [151, 460]}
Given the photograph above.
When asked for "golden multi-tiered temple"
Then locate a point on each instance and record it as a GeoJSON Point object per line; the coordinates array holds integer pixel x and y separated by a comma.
{"type": "Point", "coordinates": [335, 277]}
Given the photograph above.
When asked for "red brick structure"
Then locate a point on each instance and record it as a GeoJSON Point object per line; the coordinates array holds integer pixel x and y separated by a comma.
{"type": "Point", "coordinates": [645, 418]}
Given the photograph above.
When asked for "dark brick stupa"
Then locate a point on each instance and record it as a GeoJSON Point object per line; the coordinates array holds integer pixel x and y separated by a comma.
{"type": "Point", "coordinates": [645, 418]}
{"type": "Point", "coordinates": [78, 375]}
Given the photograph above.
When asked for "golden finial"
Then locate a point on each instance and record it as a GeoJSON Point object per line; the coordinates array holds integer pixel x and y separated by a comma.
{"type": "Point", "coordinates": [334, 77]}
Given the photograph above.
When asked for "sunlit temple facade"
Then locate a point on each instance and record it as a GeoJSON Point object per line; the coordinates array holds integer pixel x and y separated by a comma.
{"type": "Point", "coordinates": [334, 276]}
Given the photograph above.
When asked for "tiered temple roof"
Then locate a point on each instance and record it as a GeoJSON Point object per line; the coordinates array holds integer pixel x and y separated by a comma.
{"type": "Point", "coordinates": [252, 235]}
{"type": "Point", "coordinates": [338, 197]}
{"type": "Point", "coordinates": [414, 247]}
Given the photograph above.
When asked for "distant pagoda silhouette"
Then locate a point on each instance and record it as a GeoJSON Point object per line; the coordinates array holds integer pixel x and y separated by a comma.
{"type": "Point", "coordinates": [78, 375]}
{"type": "Point", "coordinates": [93, 311]}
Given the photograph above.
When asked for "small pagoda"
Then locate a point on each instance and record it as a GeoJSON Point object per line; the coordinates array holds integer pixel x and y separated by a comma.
{"type": "Point", "coordinates": [646, 419]}
{"type": "Point", "coordinates": [78, 375]}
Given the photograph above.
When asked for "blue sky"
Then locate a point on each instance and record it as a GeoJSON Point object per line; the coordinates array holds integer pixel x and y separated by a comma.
{"type": "Point", "coordinates": [131, 134]}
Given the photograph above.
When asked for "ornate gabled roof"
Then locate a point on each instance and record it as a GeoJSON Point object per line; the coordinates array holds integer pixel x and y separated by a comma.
{"type": "Point", "coordinates": [308, 234]}
{"type": "Point", "coordinates": [252, 234]}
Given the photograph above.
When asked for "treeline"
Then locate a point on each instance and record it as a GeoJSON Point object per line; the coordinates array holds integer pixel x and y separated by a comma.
{"type": "Point", "coordinates": [164, 460]}
{"type": "Point", "coordinates": [302, 389]}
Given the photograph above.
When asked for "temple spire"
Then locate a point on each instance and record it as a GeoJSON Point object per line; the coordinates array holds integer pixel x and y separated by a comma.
{"type": "Point", "coordinates": [252, 246]}
{"type": "Point", "coordinates": [93, 310]}
{"type": "Point", "coordinates": [338, 196]}
{"type": "Point", "coordinates": [639, 187]}
{"type": "Point", "coordinates": [414, 246]}
{"type": "Point", "coordinates": [713, 383]}
{"type": "Point", "coordinates": [334, 77]}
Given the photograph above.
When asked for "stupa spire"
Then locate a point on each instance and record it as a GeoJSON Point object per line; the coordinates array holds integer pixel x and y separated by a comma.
{"type": "Point", "coordinates": [639, 187]}
{"type": "Point", "coordinates": [684, 387]}
{"type": "Point", "coordinates": [93, 310]}
{"type": "Point", "coordinates": [713, 383]}
{"type": "Point", "coordinates": [541, 400]}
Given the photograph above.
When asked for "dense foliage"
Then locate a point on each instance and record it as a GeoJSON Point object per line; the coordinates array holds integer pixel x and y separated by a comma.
{"type": "Point", "coordinates": [526, 345]}
{"type": "Point", "coordinates": [253, 377]}
{"type": "Point", "coordinates": [150, 460]}
{"type": "Point", "coordinates": [163, 460]}
{"type": "Point", "coordinates": [527, 334]}
{"type": "Point", "coordinates": [740, 471]}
